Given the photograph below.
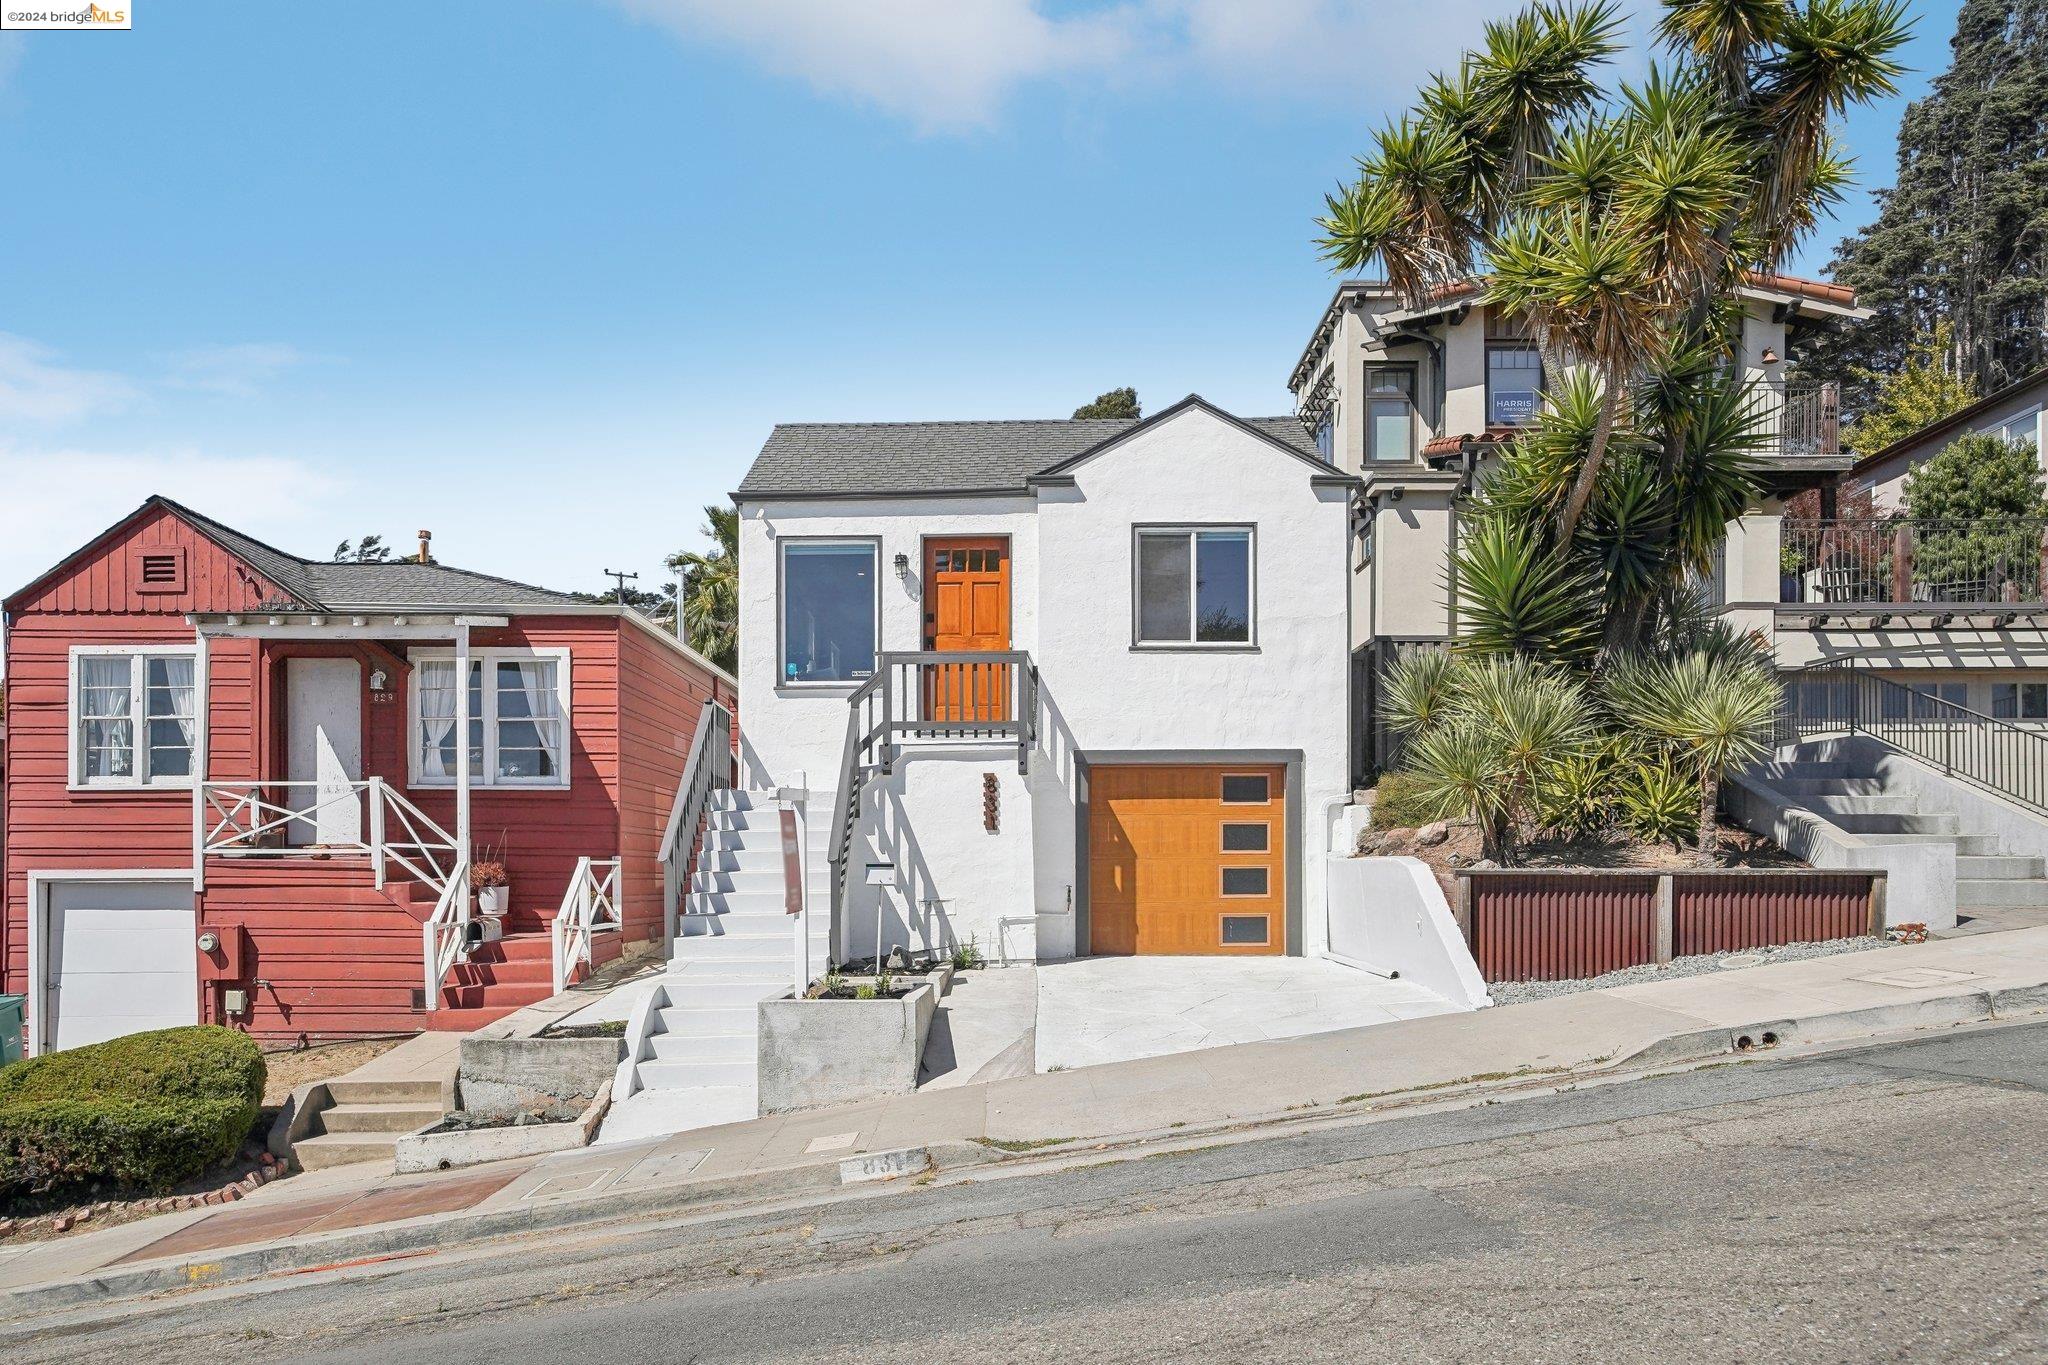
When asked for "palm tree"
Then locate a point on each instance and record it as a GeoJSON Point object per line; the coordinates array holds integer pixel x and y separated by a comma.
{"type": "Point", "coordinates": [1714, 710]}
{"type": "Point", "coordinates": [711, 589]}
{"type": "Point", "coordinates": [1618, 236]}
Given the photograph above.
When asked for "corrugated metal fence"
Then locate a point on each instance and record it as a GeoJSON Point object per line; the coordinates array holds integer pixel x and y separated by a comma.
{"type": "Point", "coordinates": [1562, 925]}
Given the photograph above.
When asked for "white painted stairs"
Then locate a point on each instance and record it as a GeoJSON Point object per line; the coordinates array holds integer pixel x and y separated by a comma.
{"type": "Point", "coordinates": [1854, 797]}
{"type": "Point", "coordinates": [691, 1045]}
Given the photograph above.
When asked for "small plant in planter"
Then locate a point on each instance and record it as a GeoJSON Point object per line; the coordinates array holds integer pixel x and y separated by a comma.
{"type": "Point", "coordinates": [493, 887]}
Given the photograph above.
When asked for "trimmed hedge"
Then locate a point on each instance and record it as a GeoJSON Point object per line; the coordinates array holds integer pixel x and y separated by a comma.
{"type": "Point", "coordinates": [147, 1111]}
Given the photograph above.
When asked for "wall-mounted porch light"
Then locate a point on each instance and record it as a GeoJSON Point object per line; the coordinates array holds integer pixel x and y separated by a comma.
{"type": "Point", "coordinates": [1770, 355]}
{"type": "Point", "coordinates": [902, 565]}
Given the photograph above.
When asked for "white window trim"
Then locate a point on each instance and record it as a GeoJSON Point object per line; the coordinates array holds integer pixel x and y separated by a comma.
{"type": "Point", "coordinates": [1998, 428]}
{"type": "Point", "coordinates": [138, 704]}
{"type": "Point", "coordinates": [1191, 530]}
{"type": "Point", "coordinates": [783, 682]}
{"type": "Point", "coordinates": [485, 777]}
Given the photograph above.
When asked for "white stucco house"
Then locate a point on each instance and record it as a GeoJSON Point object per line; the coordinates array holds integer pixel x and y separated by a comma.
{"type": "Point", "coordinates": [1053, 687]}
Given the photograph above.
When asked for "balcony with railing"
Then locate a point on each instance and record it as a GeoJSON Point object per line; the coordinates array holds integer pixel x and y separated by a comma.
{"type": "Point", "coordinates": [1866, 562]}
{"type": "Point", "coordinates": [1798, 419]}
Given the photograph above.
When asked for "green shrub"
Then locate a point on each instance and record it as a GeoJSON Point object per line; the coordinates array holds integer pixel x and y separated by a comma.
{"type": "Point", "coordinates": [146, 1111]}
{"type": "Point", "coordinates": [1401, 801]}
{"type": "Point", "coordinates": [1659, 804]}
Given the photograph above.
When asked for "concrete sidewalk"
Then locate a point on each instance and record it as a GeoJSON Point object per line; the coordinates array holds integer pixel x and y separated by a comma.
{"type": "Point", "coordinates": [337, 1216]}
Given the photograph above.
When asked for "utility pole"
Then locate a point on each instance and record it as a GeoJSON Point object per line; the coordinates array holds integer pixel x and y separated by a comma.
{"type": "Point", "coordinates": [623, 579]}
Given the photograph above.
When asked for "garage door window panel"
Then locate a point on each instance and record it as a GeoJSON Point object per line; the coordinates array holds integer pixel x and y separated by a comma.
{"type": "Point", "coordinates": [1247, 837]}
{"type": "Point", "coordinates": [1245, 931]}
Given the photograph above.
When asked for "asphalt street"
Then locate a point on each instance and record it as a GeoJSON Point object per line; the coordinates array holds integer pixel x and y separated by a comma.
{"type": "Point", "coordinates": [1880, 1205]}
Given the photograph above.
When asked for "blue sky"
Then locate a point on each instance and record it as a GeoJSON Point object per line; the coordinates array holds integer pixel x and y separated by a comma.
{"type": "Point", "coordinates": [539, 275]}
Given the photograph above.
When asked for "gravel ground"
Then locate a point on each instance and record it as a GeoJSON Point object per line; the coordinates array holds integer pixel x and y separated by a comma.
{"type": "Point", "coordinates": [1517, 992]}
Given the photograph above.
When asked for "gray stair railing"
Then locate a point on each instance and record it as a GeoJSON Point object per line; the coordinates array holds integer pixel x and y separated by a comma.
{"type": "Point", "coordinates": [968, 696]}
{"type": "Point", "coordinates": [1996, 755]}
{"type": "Point", "coordinates": [709, 768]}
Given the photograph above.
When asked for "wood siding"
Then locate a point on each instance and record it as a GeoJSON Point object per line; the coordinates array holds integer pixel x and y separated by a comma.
{"type": "Point", "coordinates": [334, 955]}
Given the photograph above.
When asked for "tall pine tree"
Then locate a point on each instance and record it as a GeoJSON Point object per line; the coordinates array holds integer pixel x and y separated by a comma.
{"type": "Point", "coordinates": [1963, 237]}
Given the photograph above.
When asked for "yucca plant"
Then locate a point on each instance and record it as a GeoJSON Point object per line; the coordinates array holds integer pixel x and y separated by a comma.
{"type": "Point", "coordinates": [1658, 803]}
{"type": "Point", "coordinates": [1496, 725]}
{"type": "Point", "coordinates": [1713, 710]}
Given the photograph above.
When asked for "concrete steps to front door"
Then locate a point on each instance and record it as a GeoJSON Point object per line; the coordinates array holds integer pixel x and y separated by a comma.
{"type": "Point", "coordinates": [366, 1120]}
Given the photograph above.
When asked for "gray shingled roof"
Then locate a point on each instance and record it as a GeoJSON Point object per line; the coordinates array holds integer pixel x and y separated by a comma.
{"type": "Point", "coordinates": [396, 585]}
{"type": "Point", "coordinates": [845, 459]}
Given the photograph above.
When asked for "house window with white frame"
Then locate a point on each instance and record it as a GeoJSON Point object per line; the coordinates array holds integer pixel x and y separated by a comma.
{"type": "Point", "coordinates": [518, 719]}
{"type": "Point", "coordinates": [2023, 430]}
{"type": "Point", "coordinates": [134, 717]}
{"type": "Point", "coordinates": [1194, 586]}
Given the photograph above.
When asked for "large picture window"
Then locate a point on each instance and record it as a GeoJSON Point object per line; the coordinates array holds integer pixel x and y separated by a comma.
{"type": "Point", "coordinates": [1390, 413]}
{"type": "Point", "coordinates": [1514, 385]}
{"type": "Point", "coordinates": [828, 610]}
{"type": "Point", "coordinates": [1194, 586]}
{"type": "Point", "coordinates": [134, 717]}
{"type": "Point", "coordinates": [518, 719]}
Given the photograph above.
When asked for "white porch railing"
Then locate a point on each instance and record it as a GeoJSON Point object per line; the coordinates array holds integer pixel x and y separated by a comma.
{"type": "Point", "coordinates": [709, 768]}
{"type": "Point", "coordinates": [444, 937]}
{"type": "Point", "coordinates": [589, 907]}
{"type": "Point", "coordinates": [255, 819]}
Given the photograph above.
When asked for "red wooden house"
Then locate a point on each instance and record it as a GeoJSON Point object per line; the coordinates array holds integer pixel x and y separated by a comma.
{"type": "Point", "coordinates": [236, 791]}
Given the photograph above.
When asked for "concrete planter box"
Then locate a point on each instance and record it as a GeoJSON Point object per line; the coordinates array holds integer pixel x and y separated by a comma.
{"type": "Point", "coordinates": [427, 1150]}
{"type": "Point", "coordinates": [819, 1052]}
{"type": "Point", "coordinates": [550, 1078]}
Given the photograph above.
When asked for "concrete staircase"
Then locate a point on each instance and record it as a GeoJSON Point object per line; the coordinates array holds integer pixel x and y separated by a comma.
{"type": "Point", "coordinates": [1854, 798]}
{"type": "Point", "coordinates": [694, 1064]}
{"type": "Point", "coordinates": [366, 1120]}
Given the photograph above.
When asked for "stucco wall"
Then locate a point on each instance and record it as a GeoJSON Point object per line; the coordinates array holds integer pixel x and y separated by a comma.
{"type": "Point", "coordinates": [1411, 564]}
{"type": "Point", "coordinates": [1887, 480]}
{"type": "Point", "coordinates": [1072, 608]}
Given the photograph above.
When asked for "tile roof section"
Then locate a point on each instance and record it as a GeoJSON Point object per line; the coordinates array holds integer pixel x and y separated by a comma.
{"type": "Point", "coordinates": [903, 459]}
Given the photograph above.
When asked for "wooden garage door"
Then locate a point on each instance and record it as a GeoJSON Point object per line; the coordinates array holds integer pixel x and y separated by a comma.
{"type": "Point", "coordinates": [1187, 859]}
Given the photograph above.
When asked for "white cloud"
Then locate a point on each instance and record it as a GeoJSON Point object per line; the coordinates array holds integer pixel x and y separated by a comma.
{"type": "Point", "coordinates": [943, 64]}
{"type": "Point", "coordinates": [234, 371]}
{"type": "Point", "coordinates": [34, 388]}
{"type": "Point", "coordinates": [58, 499]}
{"type": "Point", "coordinates": [950, 64]}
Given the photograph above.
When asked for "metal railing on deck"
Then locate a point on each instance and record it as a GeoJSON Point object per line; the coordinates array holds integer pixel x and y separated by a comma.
{"type": "Point", "coordinates": [590, 906]}
{"type": "Point", "coordinates": [969, 696]}
{"type": "Point", "coordinates": [1798, 418]}
{"type": "Point", "coordinates": [1899, 561]}
{"type": "Point", "coordinates": [1984, 751]}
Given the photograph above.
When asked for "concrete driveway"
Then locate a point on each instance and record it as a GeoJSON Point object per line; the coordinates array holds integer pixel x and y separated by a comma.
{"type": "Point", "coordinates": [1118, 1009]}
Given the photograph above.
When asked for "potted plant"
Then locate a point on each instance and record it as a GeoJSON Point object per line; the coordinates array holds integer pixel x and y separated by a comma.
{"type": "Point", "coordinates": [492, 885]}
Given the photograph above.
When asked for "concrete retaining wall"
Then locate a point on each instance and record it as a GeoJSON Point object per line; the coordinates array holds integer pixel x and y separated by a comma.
{"type": "Point", "coordinates": [1389, 914]}
{"type": "Point", "coordinates": [549, 1078]}
{"type": "Point", "coordinates": [816, 1052]}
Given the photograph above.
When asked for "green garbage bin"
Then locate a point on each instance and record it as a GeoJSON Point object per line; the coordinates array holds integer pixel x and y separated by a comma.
{"type": "Point", "coordinates": [11, 1007]}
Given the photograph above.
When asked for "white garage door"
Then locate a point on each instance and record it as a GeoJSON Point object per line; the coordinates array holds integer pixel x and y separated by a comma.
{"type": "Point", "coordinates": [120, 959]}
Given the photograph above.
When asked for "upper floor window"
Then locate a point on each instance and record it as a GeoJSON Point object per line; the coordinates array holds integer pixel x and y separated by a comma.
{"type": "Point", "coordinates": [134, 716]}
{"type": "Point", "coordinates": [2023, 430]}
{"type": "Point", "coordinates": [1326, 437]}
{"type": "Point", "coordinates": [518, 718]}
{"type": "Point", "coordinates": [829, 610]}
{"type": "Point", "coordinates": [1514, 385]}
{"type": "Point", "coordinates": [1194, 586]}
{"type": "Point", "coordinates": [1390, 412]}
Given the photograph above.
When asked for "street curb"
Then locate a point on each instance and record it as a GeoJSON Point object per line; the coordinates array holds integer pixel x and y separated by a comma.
{"type": "Point", "coordinates": [399, 1240]}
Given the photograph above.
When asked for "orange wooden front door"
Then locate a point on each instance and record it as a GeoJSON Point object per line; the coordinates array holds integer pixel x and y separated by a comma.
{"type": "Point", "coordinates": [1187, 859]}
{"type": "Point", "coordinates": [967, 606]}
